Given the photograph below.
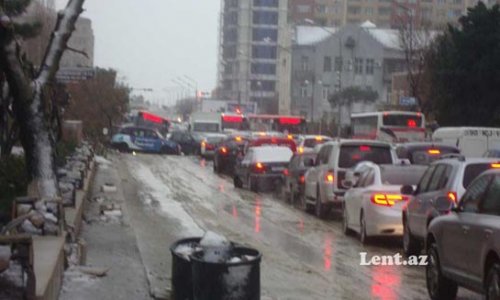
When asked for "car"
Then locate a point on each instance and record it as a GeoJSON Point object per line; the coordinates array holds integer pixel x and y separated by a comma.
{"type": "Point", "coordinates": [190, 142]}
{"type": "Point", "coordinates": [443, 178]}
{"type": "Point", "coordinates": [309, 142]}
{"type": "Point", "coordinates": [294, 177]}
{"type": "Point", "coordinates": [137, 138]}
{"type": "Point", "coordinates": [423, 153]}
{"type": "Point", "coordinates": [372, 207]}
{"type": "Point", "coordinates": [262, 167]}
{"type": "Point", "coordinates": [209, 144]}
{"type": "Point", "coordinates": [463, 246]}
{"type": "Point", "coordinates": [323, 182]}
{"type": "Point", "coordinates": [228, 152]}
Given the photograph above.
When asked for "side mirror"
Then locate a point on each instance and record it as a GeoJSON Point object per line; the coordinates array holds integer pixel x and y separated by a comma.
{"type": "Point", "coordinates": [347, 184]}
{"type": "Point", "coordinates": [443, 204]}
{"type": "Point", "coordinates": [407, 190]}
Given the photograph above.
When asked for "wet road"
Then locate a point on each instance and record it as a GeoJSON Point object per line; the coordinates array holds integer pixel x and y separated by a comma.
{"type": "Point", "coordinates": [303, 257]}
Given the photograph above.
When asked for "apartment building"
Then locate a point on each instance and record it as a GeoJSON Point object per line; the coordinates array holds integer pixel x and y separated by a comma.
{"type": "Point", "coordinates": [251, 43]}
{"type": "Point", "coordinates": [384, 13]}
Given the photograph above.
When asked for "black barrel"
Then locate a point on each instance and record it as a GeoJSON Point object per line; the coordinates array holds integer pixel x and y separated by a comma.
{"type": "Point", "coordinates": [182, 287]}
{"type": "Point", "coordinates": [226, 280]}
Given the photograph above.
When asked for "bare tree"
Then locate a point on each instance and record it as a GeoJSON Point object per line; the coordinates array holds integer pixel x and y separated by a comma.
{"type": "Point", "coordinates": [27, 88]}
{"type": "Point", "coordinates": [414, 42]}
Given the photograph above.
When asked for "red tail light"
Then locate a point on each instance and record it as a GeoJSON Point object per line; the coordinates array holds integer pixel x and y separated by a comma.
{"type": "Point", "coordinates": [285, 172]}
{"type": "Point", "coordinates": [495, 165]}
{"type": "Point", "coordinates": [223, 150]}
{"type": "Point", "coordinates": [387, 199]}
{"type": "Point", "coordinates": [209, 147]}
{"type": "Point", "coordinates": [302, 179]}
{"type": "Point", "coordinates": [329, 177]}
{"type": "Point", "coordinates": [259, 168]}
{"type": "Point", "coordinates": [452, 196]}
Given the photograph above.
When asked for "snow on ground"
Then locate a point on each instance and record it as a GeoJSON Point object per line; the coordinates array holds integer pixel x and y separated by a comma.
{"type": "Point", "coordinates": [164, 197]}
{"type": "Point", "coordinates": [102, 161]}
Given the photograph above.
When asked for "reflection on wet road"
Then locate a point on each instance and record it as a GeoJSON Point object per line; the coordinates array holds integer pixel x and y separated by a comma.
{"type": "Point", "coordinates": [303, 257]}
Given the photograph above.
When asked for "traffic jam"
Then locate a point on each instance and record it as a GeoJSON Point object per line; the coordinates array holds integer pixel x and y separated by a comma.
{"type": "Point", "coordinates": [432, 194]}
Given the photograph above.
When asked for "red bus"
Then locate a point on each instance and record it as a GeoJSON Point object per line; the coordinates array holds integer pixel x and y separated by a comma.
{"type": "Point", "coordinates": [281, 123]}
{"type": "Point", "coordinates": [148, 119]}
{"type": "Point", "coordinates": [233, 121]}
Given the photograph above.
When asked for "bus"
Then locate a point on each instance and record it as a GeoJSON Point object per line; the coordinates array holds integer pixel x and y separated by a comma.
{"type": "Point", "coordinates": [281, 123]}
{"type": "Point", "coordinates": [233, 122]}
{"type": "Point", "coordinates": [390, 126]}
{"type": "Point", "coordinates": [150, 120]}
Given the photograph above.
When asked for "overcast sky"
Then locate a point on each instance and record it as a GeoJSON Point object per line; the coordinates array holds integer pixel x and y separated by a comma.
{"type": "Point", "coordinates": [151, 42]}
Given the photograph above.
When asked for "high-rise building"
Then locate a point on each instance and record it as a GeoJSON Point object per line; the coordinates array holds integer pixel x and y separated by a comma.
{"type": "Point", "coordinates": [384, 13]}
{"type": "Point", "coordinates": [82, 40]}
{"type": "Point", "coordinates": [251, 44]}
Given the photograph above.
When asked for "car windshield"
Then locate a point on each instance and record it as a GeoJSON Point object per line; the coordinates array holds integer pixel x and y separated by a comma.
{"type": "Point", "coordinates": [205, 127]}
{"type": "Point", "coordinates": [350, 155]}
{"type": "Point", "coordinates": [404, 175]}
{"type": "Point", "coordinates": [313, 142]}
{"type": "Point", "coordinates": [426, 156]}
{"type": "Point", "coordinates": [472, 171]}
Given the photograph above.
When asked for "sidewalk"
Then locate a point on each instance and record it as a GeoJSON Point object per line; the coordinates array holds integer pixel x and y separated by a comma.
{"type": "Point", "coordinates": [111, 243]}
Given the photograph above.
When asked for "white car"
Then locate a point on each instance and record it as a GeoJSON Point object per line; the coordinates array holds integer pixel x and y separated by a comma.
{"type": "Point", "coordinates": [373, 206]}
{"type": "Point", "coordinates": [308, 143]}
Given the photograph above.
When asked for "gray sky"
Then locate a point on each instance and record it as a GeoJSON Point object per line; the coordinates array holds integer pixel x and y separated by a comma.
{"type": "Point", "coordinates": [150, 42]}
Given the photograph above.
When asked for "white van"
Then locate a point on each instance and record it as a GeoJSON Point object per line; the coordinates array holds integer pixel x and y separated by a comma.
{"type": "Point", "coordinates": [472, 141]}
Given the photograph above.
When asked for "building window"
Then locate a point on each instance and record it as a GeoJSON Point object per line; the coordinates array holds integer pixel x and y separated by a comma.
{"type": "Point", "coordinates": [327, 64]}
{"type": "Point", "coordinates": [265, 3]}
{"type": "Point", "coordinates": [370, 66]}
{"type": "Point", "coordinates": [231, 18]}
{"type": "Point", "coordinates": [265, 69]}
{"type": "Point", "coordinates": [326, 92]}
{"type": "Point", "coordinates": [303, 91]}
{"type": "Point", "coordinates": [338, 64]}
{"type": "Point", "coordinates": [230, 35]}
{"type": "Point", "coordinates": [263, 34]}
{"type": "Point", "coordinates": [266, 52]}
{"type": "Point", "coordinates": [304, 63]}
{"type": "Point", "coordinates": [265, 18]}
{"type": "Point", "coordinates": [358, 66]}
{"type": "Point", "coordinates": [263, 85]}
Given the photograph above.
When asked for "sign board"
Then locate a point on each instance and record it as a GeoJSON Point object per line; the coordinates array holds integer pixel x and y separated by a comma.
{"type": "Point", "coordinates": [66, 75]}
{"type": "Point", "coordinates": [407, 101]}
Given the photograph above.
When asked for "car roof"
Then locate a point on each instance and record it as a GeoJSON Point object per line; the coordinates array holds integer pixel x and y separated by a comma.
{"type": "Point", "coordinates": [357, 142]}
{"type": "Point", "coordinates": [424, 145]}
{"type": "Point", "coordinates": [401, 167]}
{"type": "Point", "coordinates": [468, 160]}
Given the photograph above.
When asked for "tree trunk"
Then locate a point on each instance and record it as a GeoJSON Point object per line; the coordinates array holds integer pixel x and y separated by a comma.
{"type": "Point", "coordinates": [28, 102]}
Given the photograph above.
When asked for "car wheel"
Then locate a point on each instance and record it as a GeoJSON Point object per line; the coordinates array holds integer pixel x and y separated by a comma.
{"type": "Point", "coordinates": [321, 209]}
{"type": "Point", "coordinates": [363, 237]}
{"type": "Point", "coordinates": [411, 246]}
{"type": "Point", "coordinates": [345, 223]}
{"type": "Point", "coordinates": [237, 182]}
{"type": "Point", "coordinates": [253, 185]}
{"type": "Point", "coordinates": [122, 147]}
{"type": "Point", "coordinates": [493, 282]}
{"type": "Point", "coordinates": [438, 286]}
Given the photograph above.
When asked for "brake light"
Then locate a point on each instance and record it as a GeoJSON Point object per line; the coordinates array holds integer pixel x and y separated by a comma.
{"type": "Point", "coordinates": [223, 150]}
{"type": "Point", "coordinates": [302, 179]}
{"type": "Point", "coordinates": [259, 168]}
{"type": "Point", "coordinates": [238, 138]}
{"type": "Point", "coordinates": [411, 123]}
{"type": "Point", "coordinates": [203, 144]}
{"type": "Point", "coordinates": [495, 165]}
{"type": "Point", "coordinates": [290, 137]}
{"type": "Point", "coordinates": [285, 172]}
{"type": "Point", "coordinates": [387, 199]}
{"type": "Point", "coordinates": [453, 196]}
{"type": "Point", "coordinates": [318, 138]}
{"type": "Point", "coordinates": [364, 148]}
{"type": "Point", "coordinates": [300, 150]}
{"type": "Point", "coordinates": [434, 151]}
{"type": "Point", "coordinates": [329, 177]}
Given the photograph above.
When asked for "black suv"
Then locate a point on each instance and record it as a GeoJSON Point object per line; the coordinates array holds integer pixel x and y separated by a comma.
{"type": "Point", "coordinates": [228, 152]}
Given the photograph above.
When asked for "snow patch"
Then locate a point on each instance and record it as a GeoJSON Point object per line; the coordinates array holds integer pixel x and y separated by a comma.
{"type": "Point", "coordinates": [102, 161]}
{"type": "Point", "coordinates": [159, 192]}
{"type": "Point", "coordinates": [236, 281]}
{"type": "Point", "coordinates": [212, 239]}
